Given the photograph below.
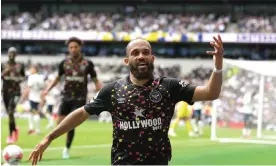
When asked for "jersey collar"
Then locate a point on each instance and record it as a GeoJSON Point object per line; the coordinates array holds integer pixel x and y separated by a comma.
{"type": "Point", "coordinates": [148, 83]}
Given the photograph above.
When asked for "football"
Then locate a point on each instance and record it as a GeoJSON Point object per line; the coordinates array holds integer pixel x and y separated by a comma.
{"type": "Point", "coordinates": [12, 154]}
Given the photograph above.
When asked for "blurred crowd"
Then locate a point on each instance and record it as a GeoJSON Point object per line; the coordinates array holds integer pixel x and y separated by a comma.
{"type": "Point", "coordinates": [240, 83]}
{"type": "Point", "coordinates": [251, 24]}
{"type": "Point", "coordinates": [138, 22]}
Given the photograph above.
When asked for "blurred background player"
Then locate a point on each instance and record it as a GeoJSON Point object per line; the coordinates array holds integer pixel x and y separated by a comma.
{"type": "Point", "coordinates": [12, 73]}
{"type": "Point", "coordinates": [207, 111]}
{"type": "Point", "coordinates": [50, 101]}
{"type": "Point", "coordinates": [196, 121]}
{"type": "Point", "coordinates": [75, 68]}
{"type": "Point", "coordinates": [247, 111]}
{"type": "Point", "coordinates": [35, 85]}
{"type": "Point", "coordinates": [183, 111]}
{"type": "Point", "coordinates": [105, 116]}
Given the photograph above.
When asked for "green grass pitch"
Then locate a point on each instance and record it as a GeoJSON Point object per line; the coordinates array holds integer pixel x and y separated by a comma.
{"type": "Point", "coordinates": [93, 141]}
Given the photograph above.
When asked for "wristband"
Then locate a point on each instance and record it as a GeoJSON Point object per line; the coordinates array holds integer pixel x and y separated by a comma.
{"type": "Point", "coordinates": [217, 71]}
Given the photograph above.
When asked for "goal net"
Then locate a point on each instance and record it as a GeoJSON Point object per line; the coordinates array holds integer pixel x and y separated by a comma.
{"type": "Point", "coordinates": [246, 109]}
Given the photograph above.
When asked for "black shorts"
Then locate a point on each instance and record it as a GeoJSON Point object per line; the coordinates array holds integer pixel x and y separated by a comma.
{"type": "Point", "coordinates": [69, 105]}
{"type": "Point", "coordinates": [10, 102]}
{"type": "Point", "coordinates": [247, 118]}
{"type": "Point", "coordinates": [156, 162]}
{"type": "Point", "coordinates": [162, 160]}
{"type": "Point", "coordinates": [50, 108]}
{"type": "Point", "coordinates": [34, 105]}
{"type": "Point", "coordinates": [197, 114]}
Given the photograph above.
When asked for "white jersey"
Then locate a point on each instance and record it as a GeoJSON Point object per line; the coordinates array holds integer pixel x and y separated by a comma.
{"type": "Point", "coordinates": [198, 106]}
{"type": "Point", "coordinates": [52, 97]}
{"type": "Point", "coordinates": [36, 85]}
{"type": "Point", "coordinates": [247, 103]}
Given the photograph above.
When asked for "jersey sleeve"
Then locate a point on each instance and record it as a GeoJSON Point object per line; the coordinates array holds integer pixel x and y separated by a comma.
{"type": "Point", "coordinates": [61, 69]}
{"type": "Point", "coordinates": [22, 71]}
{"type": "Point", "coordinates": [2, 69]}
{"type": "Point", "coordinates": [101, 102]}
{"type": "Point", "coordinates": [91, 70]}
{"type": "Point", "coordinates": [180, 90]}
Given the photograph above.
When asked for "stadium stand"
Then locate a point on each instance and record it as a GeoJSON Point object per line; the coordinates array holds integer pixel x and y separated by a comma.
{"type": "Point", "coordinates": [139, 22]}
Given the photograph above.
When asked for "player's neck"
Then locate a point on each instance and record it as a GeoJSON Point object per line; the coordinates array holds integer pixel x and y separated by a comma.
{"type": "Point", "coordinates": [136, 81]}
{"type": "Point", "coordinates": [11, 61]}
{"type": "Point", "coordinates": [76, 59]}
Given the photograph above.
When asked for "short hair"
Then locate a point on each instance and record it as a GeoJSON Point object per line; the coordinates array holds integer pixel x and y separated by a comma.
{"type": "Point", "coordinates": [139, 38]}
{"type": "Point", "coordinates": [74, 39]}
{"type": "Point", "coordinates": [36, 67]}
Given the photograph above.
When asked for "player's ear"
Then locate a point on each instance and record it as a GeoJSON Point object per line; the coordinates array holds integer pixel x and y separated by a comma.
{"type": "Point", "coordinates": [153, 58]}
{"type": "Point", "coordinates": [126, 60]}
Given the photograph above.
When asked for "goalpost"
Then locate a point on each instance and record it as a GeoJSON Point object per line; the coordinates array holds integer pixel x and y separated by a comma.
{"type": "Point", "coordinates": [249, 87]}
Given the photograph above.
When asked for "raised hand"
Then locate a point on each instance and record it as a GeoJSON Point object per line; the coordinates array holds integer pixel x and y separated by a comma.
{"type": "Point", "coordinates": [218, 53]}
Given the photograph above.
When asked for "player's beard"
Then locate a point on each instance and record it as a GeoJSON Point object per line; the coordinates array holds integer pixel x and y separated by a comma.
{"type": "Point", "coordinates": [141, 74]}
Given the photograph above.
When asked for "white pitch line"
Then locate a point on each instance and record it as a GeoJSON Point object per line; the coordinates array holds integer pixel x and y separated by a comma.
{"type": "Point", "coordinates": [229, 140]}
{"type": "Point", "coordinates": [73, 147]}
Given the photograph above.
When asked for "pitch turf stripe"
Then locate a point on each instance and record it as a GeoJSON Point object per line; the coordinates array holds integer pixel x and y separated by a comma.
{"type": "Point", "coordinates": [74, 147]}
{"type": "Point", "coordinates": [107, 145]}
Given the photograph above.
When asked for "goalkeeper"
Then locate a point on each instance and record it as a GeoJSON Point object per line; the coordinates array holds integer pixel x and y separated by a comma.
{"type": "Point", "coordinates": [183, 111]}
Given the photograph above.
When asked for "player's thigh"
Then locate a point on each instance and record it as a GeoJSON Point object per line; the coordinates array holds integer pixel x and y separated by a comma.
{"type": "Point", "coordinates": [180, 113]}
{"type": "Point", "coordinates": [6, 99]}
{"type": "Point", "coordinates": [10, 102]}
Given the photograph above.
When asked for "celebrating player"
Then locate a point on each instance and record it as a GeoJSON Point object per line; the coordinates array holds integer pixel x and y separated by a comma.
{"type": "Point", "coordinates": [141, 106]}
{"type": "Point", "coordinates": [75, 68]}
{"type": "Point", "coordinates": [12, 74]}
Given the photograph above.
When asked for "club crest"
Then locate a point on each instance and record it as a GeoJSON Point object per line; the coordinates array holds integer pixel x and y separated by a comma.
{"type": "Point", "coordinates": [155, 96]}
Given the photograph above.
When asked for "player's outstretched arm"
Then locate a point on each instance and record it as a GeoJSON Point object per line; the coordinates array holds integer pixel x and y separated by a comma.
{"type": "Point", "coordinates": [98, 85]}
{"type": "Point", "coordinates": [51, 85]}
{"type": "Point", "coordinates": [71, 121]}
{"type": "Point", "coordinates": [212, 90]}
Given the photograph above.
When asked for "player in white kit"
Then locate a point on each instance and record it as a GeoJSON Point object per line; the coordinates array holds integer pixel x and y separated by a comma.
{"type": "Point", "coordinates": [247, 111]}
{"type": "Point", "coordinates": [35, 86]}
